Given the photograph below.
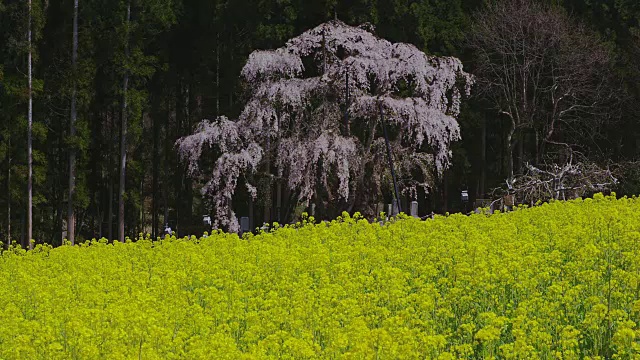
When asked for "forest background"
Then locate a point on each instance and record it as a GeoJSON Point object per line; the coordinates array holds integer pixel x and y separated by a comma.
{"type": "Point", "coordinates": [146, 72]}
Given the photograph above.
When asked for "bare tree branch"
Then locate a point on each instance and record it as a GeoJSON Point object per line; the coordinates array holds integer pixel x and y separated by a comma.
{"type": "Point", "coordinates": [545, 72]}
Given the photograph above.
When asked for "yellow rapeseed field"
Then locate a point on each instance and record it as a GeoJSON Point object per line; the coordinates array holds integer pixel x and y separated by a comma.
{"type": "Point", "coordinates": [557, 281]}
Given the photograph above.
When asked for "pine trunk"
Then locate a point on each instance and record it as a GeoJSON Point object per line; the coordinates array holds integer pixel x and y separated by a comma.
{"type": "Point", "coordinates": [123, 135]}
{"type": "Point", "coordinates": [165, 171]}
{"type": "Point", "coordinates": [71, 218]}
{"type": "Point", "coordinates": [9, 199]}
{"type": "Point", "coordinates": [483, 155]}
{"type": "Point", "coordinates": [30, 143]}
{"type": "Point", "coordinates": [141, 217]}
{"type": "Point", "coordinates": [111, 179]}
{"type": "Point", "coordinates": [154, 195]}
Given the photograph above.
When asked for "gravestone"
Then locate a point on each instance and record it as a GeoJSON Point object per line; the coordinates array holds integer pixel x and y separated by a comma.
{"type": "Point", "coordinates": [414, 209]}
{"type": "Point", "coordinates": [244, 224]}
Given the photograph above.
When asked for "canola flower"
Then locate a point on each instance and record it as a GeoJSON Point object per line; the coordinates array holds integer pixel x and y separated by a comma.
{"type": "Point", "coordinates": [557, 281]}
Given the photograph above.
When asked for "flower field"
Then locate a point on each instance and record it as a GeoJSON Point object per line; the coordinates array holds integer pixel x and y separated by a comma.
{"type": "Point", "coordinates": [557, 281]}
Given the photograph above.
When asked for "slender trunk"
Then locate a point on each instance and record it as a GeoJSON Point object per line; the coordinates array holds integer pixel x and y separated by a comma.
{"type": "Point", "coordinates": [123, 133]}
{"type": "Point", "coordinates": [187, 211]}
{"type": "Point", "coordinates": [142, 204]}
{"type": "Point", "coordinates": [483, 156]}
{"type": "Point", "coordinates": [268, 200]}
{"type": "Point", "coordinates": [218, 75]}
{"type": "Point", "coordinates": [537, 148]}
{"type": "Point", "coordinates": [100, 218]}
{"type": "Point", "coordinates": [279, 202]}
{"type": "Point", "coordinates": [9, 197]}
{"type": "Point", "coordinates": [165, 197]}
{"type": "Point", "coordinates": [181, 113]}
{"type": "Point", "coordinates": [30, 143]}
{"type": "Point", "coordinates": [110, 211]}
{"type": "Point", "coordinates": [97, 215]}
{"type": "Point", "coordinates": [154, 196]}
{"type": "Point", "coordinates": [231, 87]}
{"type": "Point", "coordinates": [521, 150]}
{"type": "Point", "coordinates": [166, 176]}
{"type": "Point", "coordinates": [445, 191]}
{"type": "Point", "coordinates": [111, 180]}
{"type": "Point", "coordinates": [143, 173]}
{"type": "Point", "coordinates": [251, 228]}
{"type": "Point", "coordinates": [71, 218]}
{"type": "Point", "coordinates": [23, 222]}
{"type": "Point", "coordinates": [92, 228]}
{"type": "Point", "coordinates": [510, 162]}
{"type": "Point", "coordinates": [509, 149]}
{"type": "Point", "coordinates": [230, 49]}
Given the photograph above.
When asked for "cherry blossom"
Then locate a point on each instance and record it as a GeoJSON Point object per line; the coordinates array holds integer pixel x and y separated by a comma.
{"type": "Point", "coordinates": [294, 118]}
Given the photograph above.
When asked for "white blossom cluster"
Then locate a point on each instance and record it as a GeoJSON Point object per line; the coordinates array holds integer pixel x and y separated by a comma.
{"type": "Point", "coordinates": [294, 117]}
{"type": "Point", "coordinates": [238, 155]}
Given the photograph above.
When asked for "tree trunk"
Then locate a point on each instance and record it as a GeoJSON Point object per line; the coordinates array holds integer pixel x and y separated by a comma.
{"type": "Point", "coordinates": [509, 149]}
{"type": "Point", "coordinates": [97, 215]}
{"type": "Point", "coordinates": [110, 211]}
{"type": "Point", "coordinates": [483, 156]}
{"type": "Point", "coordinates": [30, 142]}
{"type": "Point", "coordinates": [142, 219]}
{"type": "Point", "coordinates": [279, 202]}
{"type": "Point", "coordinates": [166, 176]}
{"type": "Point", "coordinates": [123, 134]}
{"type": "Point", "coordinates": [268, 195]}
{"type": "Point", "coordinates": [192, 111]}
{"type": "Point", "coordinates": [218, 75]}
{"type": "Point", "coordinates": [537, 148]}
{"type": "Point", "coordinates": [110, 169]}
{"type": "Point", "coordinates": [521, 150]}
{"type": "Point", "coordinates": [445, 191]}
{"type": "Point", "coordinates": [231, 57]}
{"type": "Point", "coordinates": [251, 228]}
{"type": "Point", "coordinates": [71, 219]}
{"type": "Point", "coordinates": [59, 215]}
{"type": "Point", "coordinates": [154, 196]}
{"type": "Point", "coordinates": [165, 197]}
{"type": "Point", "coordinates": [9, 197]}
{"type": "Point", "coordinates": [181, 114]}
{"type": "Point", "coordinates": [23, 228]}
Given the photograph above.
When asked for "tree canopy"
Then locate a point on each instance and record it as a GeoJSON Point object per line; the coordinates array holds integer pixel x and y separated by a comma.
{"type": "Point", "coordinates": [314, 108]}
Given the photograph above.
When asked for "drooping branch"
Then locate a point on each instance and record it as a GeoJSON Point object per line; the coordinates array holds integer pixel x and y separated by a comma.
{"type": "Point", "coordinates": [295, 108]}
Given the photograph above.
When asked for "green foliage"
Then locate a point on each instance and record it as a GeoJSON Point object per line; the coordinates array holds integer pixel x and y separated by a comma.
{"type": "Point", "coordinates": [278, 20]}
{"type": "Point", "coordinates": [441, 25]}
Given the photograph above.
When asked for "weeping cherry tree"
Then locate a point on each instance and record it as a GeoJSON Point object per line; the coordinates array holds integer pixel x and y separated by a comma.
{"type": "Point", "coordinates": [313, 122]}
